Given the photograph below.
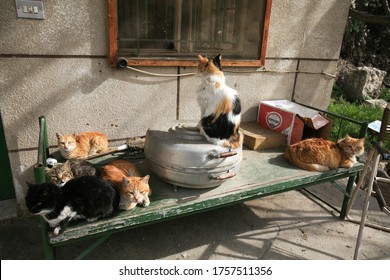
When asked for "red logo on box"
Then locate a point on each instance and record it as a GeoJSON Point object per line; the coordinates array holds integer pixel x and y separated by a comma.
{"type": "Point", "coordinates": [274, 120]}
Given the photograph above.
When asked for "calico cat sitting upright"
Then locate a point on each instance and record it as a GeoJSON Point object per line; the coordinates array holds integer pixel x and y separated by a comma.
{"type": "Point", "coordinates": [220, 105]}
{"type": "Point", "coordinates": [63, 172]}
{"type": "Point", "coordinates": [315, 154]}
{"type": "Point", "coordinates": [132, 187]}
{"type": "Point", "coordinates": [82, 145]}
{"type": "Point", "coordinates": [87, 197]}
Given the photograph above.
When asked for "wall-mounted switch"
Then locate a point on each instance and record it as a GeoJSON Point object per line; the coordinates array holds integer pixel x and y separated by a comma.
{"type": "Point", "coordinates": [30, 9]}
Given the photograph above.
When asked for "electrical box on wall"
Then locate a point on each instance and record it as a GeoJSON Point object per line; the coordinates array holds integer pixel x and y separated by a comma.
{"type": "Point", "coordinates": [30, 9]}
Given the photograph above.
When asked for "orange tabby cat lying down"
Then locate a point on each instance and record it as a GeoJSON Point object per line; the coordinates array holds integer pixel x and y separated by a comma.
{"type": "Point", "coordinates": [317, 154]}
{"type": "Point", "coordinates": [82, 145]}
{"type": "Point", "coordinates": [132, 188]}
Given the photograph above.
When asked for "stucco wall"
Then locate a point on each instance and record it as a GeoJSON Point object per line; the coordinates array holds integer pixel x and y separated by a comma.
{"type": "Point", "coordinates": [57, 67]}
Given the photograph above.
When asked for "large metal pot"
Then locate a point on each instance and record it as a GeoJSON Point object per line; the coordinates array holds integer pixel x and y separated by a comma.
{"type": "Point", "coordinates": [180, 155]}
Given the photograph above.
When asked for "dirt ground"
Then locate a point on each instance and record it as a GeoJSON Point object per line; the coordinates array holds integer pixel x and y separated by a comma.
{"type": "Point", "coordinates": [286, 226]}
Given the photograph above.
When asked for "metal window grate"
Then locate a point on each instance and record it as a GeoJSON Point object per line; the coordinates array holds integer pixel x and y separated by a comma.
{"type": "Point", "coordinates": [183, 28]}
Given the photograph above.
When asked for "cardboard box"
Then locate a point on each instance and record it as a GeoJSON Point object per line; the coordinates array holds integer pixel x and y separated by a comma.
{"type": "Point", "coordinates": [257, 137]}
{"type": "Point", "coordinates": [295, 121]}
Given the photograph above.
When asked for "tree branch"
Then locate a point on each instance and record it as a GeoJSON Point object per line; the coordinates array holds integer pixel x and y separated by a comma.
{"type": "Point", "coordinates": [385, 5]}
{"type": "Point", "coordinates": [382, 20]}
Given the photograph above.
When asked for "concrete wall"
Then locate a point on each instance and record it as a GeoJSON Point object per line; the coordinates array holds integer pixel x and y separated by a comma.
{"type": "Point", "coordinates": [58, 67]}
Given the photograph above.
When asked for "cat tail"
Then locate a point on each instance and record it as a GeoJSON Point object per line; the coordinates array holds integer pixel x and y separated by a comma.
{"type": "Point", "coordinates": [303, 165]}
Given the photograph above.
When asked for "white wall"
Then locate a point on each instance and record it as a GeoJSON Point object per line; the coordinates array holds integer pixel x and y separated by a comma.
{"type": "Point", "coordinates": [57, 67]}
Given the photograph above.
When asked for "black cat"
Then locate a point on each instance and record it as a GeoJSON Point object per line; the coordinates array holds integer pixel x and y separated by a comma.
{"type": "Point", "coordinates": [86, 197]}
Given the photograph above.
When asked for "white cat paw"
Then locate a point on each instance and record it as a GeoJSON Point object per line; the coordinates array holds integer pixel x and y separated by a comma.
{"type": "Point", "coordinates": [145, 204]}
{"type": "Point", "coordinates": [57, 230]}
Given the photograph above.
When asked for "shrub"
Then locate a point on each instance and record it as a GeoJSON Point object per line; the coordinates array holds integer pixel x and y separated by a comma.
{"type": "Point", "coordinates": [358, 111]}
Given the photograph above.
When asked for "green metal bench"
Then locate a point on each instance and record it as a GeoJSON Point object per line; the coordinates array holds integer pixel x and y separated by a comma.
{"type": "Point", "coordinates": [262, 173]}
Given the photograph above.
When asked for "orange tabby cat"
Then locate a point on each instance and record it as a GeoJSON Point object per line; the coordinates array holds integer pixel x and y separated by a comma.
{"type": "Point", "coordinates": [132, 188]}
{"type": "Point", "coordinates": [82, 145]}
{"type": "Point", "coordinates": [317, 154]}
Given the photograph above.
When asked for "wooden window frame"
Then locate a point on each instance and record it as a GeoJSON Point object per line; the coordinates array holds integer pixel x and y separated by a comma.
{"type": "Point", "coordinates": [113, 45]}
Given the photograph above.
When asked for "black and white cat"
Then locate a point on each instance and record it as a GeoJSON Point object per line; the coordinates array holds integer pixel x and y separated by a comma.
{"type": "Point", "coordinates": [86, 197]}
{"type": "Point", "coordinates": [220, 105]}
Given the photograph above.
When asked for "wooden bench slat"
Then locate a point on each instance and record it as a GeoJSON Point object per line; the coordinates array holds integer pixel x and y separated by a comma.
{"type": "Point", "coordinates": [261, 173]}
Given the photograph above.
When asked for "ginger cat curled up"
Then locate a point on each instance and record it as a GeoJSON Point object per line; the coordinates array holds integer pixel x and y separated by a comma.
{"type": "Point", "coordinates": [220, 105]}
{"type": "Point", "coordinates": [133, 189]}
{"type": "Point", "coordinates": [82, 145]}
{"type": "Point", "coordinates": [317, 154]}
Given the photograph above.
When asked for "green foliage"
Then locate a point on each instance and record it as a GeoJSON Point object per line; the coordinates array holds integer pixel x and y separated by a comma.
{"type": "Point", "coordinates": [358, 111]}
{"type": "Point", "coordinates": [385, 94]}
{"type": "Point", "coordinates": [367, 43]}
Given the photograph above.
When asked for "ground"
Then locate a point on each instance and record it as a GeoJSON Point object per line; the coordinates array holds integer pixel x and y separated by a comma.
{"type": "Point", "coordinates": [286, 226]}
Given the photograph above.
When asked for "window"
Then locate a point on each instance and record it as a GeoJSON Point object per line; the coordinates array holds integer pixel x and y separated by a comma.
{"type": "Point", "coordinates": [174, 32]}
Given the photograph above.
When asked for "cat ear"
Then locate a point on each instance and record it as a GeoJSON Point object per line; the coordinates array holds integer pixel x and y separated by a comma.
{"type": "Point", "coordinates": [202, 59]}
{"type": "Point", "coordinates": [67, 163]}
{"type": "Point", "coordinates": [58, 135]}
{"type": "Point", "coordinates": [217, 61]}
{"type": "Point", "coordinates": [46, 169]}
{"type": "Point", "coordinates": [146, 179]}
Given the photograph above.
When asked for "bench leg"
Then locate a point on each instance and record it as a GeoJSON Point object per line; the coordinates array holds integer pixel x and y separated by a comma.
{"type": "Point", "coordinates": [347, 196]}
{"type": "Point", "coordinates": [48, 249]}
{"type": "Point", "coordinates": [93, 246]}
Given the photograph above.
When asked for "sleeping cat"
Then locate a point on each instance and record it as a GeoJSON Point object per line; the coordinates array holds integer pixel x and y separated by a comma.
{"type": "Point", "coordinates": [132, 187]}
{"type": "Point", "coordinates": [317, 154]}
{"type": "Point", "coordinates": [87, 197]}
{"type": "Point", "coordinates": [219, 104]}
{"type": "Point", "coordinates": [82, 145]}
{"type": "Point", "coordinates": [63, 172]}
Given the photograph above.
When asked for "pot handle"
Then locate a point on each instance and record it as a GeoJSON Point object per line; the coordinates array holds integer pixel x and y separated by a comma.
{"type": "Point", "coordinates": [222, 155]}
{"type": "Point", "coordinates": [222, 176]}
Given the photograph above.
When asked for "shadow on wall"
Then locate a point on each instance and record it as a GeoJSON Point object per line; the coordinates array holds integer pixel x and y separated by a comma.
{"type": "Point", "coordinates": [74, 91]}
{"type": "Point", "coordinates": [322, 40]}
{"type": "Point", "coordinates": [76, 95]}
{"type": "Point", "coordinates": [314, 33]}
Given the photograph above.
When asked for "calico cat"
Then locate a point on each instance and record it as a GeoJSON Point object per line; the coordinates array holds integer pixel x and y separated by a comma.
{"type": "Point", "coordinates": [132, 187]}
{"type": "Point", "coordinates": [317, 154]}
{"type": "Point", "coordinates": [63, 172]}
{"type": "Point", "coordinates": [220, 105]}
{"type": "Point", "coordinates": [87, 197]}
{"type": "Point", "coordinates": [82, 145]}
